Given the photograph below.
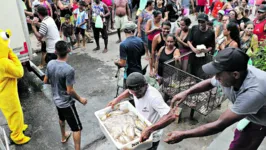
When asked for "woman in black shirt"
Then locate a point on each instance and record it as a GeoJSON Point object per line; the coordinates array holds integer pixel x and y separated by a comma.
{"type": "Point", "coordinates": [158, 42]}
{"type": "Point", "coordinates": [159, 5]}
{"type": "Point", "coordinates": [167, 52]}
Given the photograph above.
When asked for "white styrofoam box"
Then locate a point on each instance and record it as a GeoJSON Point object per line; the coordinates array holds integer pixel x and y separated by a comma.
{"type": "Point", "coordinates": [135, 144]}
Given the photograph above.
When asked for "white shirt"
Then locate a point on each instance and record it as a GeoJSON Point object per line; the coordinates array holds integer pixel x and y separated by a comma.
{"type": "Point", "coordinates": [49, 30]}
{"type": "Point", "coordinates": [152, 107]}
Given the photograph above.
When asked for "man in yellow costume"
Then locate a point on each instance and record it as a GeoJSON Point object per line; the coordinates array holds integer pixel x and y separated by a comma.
{"type": "Point", "coordinates": [10, 70]}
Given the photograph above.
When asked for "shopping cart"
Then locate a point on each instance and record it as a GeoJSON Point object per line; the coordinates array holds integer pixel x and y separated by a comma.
{"type": "Point", "coordinates": [176, 80]}
{"type": "Point", "coordinates": [3, 140]}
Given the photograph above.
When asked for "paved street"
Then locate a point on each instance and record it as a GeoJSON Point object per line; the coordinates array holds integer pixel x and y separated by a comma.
{"type": "Point", "coordinates": [95, 80]}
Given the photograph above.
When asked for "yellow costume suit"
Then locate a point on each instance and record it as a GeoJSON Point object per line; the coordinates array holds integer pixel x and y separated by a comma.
{"type": "Point", "coordinates": [10, 70]}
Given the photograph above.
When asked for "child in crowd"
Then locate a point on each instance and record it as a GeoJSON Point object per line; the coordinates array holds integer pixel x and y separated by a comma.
{"type": "Point", "coordinates": [82, 19]}
{"type": "Point", "coordinates": [67, 29]}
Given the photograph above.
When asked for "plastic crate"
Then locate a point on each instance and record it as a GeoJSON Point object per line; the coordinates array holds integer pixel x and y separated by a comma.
{"type": "Point", "coordinates": [135, 144]}
{"type": "Point", "coordinates": [176, 80]}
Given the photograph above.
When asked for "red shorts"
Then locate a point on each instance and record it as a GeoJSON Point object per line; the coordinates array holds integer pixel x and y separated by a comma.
{"type": "Point", "coordinates": [183, 51]}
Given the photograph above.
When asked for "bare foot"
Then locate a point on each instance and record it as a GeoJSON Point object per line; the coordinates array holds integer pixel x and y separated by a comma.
{"type": "Point", "coordinates": [96, 49]}
{"type": "Point", "coordinates": [105, 50]}
{"type": "Point", "coordinates": [40, 66]}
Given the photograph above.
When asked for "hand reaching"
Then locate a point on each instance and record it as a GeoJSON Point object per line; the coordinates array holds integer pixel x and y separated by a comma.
{"type": "Point", "coordinates": [174, 137]}
{"type": "Point", "coordinates": [113, 103]}
{"type": "Point", "coordinates": [180, 97]}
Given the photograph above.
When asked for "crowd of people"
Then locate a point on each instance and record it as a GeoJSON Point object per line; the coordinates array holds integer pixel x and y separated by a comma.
{"type": "Point", "coordinates": [226, 24]}
{"type": "Point", "coordinates": [161, 30]}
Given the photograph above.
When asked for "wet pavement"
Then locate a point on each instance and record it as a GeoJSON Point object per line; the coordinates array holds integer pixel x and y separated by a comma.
{"type": "Point", "coordinates": [94, 80]}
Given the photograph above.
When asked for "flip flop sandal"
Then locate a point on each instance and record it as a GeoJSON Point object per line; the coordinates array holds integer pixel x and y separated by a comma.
{"type": "Point", "coordinates": [68, 136]}
{"type": "Point", "coordinates": [40, 67]}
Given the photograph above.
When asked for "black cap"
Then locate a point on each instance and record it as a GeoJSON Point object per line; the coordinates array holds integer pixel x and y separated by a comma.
{"type": "Point", "coordinates": [229, 59]}
{"type": "Point", "coordinates": [67, 16]}
{"type": "Point", "coordinates": [82, 3]}
{"type": "Point", "coordinates": [135, 79]}
{"type": "Point", "coordinates": [262, 8]}
{"type": "Point", "coordinates": [203, 16]}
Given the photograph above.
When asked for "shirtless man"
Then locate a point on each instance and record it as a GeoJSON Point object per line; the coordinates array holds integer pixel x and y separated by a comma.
{"type": "Point", "coordinates": [122, 15]}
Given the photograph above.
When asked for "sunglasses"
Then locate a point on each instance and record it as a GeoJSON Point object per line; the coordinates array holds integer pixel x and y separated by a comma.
{"type": "Point", "coordinates": [201, 21]}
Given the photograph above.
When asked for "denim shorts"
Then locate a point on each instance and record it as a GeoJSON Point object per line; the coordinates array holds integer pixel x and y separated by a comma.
{"type": "Point", "coordinates": [144, 37]}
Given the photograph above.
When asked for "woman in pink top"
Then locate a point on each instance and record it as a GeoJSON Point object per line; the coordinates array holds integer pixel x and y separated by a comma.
{"type": "Point", "coordinates": [48, 7]}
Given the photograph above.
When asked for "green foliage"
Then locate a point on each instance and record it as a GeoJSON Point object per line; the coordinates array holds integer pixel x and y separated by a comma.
{"type": "Point", "coordinates": [260, 59]}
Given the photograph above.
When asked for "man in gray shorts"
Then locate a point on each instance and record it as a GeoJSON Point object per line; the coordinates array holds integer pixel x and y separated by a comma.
{"type": "Point", "coordinates": [245, 87]}
{"type": "Point", "coordinates": [61, 76]}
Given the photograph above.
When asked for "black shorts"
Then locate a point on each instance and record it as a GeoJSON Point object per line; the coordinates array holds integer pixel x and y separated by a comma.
{"type": "Point", "coordinates": [200, 8]}
{"type": "Point", "coordinates": [49, 57]}
{"type": "Point", "coordinates": [80, 30]}
{"type": "Point", "coordinates": [71, 116]}
{"type": "Point", "coordinates": [43, 46]}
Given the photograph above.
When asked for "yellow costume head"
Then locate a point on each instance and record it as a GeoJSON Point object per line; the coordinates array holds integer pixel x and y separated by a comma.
{"type": "Point", "coordinates": [4, 43]}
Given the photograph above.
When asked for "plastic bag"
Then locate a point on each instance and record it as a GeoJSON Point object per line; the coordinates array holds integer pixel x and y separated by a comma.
{"type": "Point", "coordinates": [99, 22]}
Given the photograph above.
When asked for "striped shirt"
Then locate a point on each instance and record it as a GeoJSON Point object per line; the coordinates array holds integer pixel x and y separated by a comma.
{"type": "Point", "coordinates": [49, 31]}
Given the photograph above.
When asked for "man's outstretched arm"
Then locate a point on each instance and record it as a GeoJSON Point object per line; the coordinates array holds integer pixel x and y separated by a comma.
{"type": "Point", "coordinates": [225, 120]}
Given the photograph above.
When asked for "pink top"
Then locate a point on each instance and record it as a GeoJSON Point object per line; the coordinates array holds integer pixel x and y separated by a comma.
{"type": "Point", "coordinates": [107, 2]}
{"type": "Point", "coordinates": [201, 2]}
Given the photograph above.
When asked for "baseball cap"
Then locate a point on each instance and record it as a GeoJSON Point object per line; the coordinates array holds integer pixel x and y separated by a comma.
{"type": "Point", "coordinates": [262, 8]}
{"type": "Point", "coordinates": [221, 12]}
{"type": "Point", "coordinates": [203, 16]}
{"type": "Point", "coordinates": [67, 16]}
{"type": "Point", "coordinates": [130, 26]}
{"type": "Point", "coordinates": [135, 79]}
{"type": "Point", "coordinates": [82, 3]}
{"type": "Point", "coordinates": [229, 59]}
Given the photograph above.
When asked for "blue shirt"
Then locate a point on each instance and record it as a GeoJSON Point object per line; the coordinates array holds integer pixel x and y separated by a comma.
{"type": "Point", "coordinates": [131, 50]}
{"type": "Point", "coordinates": [81, 17]}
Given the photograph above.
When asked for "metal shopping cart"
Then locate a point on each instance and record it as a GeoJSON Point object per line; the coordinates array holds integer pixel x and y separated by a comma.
{"type": "Point", "coordinates": [3, 140]}
{"type": "Point", "coordinates": [176, 80]}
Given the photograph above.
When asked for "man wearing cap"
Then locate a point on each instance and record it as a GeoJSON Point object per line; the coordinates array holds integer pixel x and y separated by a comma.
{"type": "Point", "coordinates": [245, 87]}
{"type": "Point", "coordinates": [218, 20]}
{"type": "Point", "coordinates": [131, 50]}
{"type": "Point", "coordinates": [260, 25]}
{"type": "Point", "coordinates": [149, 103]}
{"type": "Point", "coordinates": [200, 35]}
